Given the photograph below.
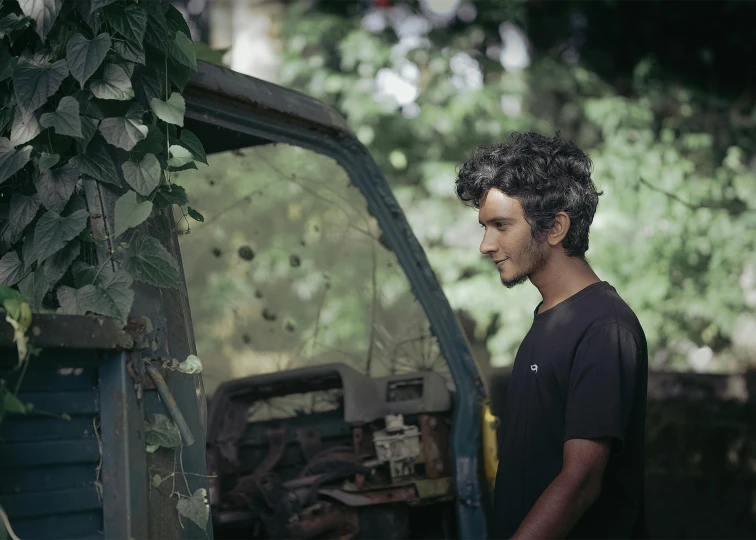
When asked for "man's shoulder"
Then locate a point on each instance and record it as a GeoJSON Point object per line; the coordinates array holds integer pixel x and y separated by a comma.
{"type": "Point", "coordinates": [607, 308]}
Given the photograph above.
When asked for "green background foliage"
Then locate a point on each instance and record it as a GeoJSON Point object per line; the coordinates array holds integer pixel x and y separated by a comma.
{"type": "Point", "coordinates": [675, 160]}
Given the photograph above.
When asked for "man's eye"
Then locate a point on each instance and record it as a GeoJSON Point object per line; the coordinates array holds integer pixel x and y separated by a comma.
{"type": "Point", "coordinates": [501, 225]}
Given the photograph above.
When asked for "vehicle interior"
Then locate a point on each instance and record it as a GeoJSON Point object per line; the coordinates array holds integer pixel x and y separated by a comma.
{"type": "Point", "coordinates": [330, 402]}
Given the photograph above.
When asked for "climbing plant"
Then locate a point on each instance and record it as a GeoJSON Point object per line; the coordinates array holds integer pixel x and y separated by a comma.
{"type": "Point", "coordinates": [90, 102]}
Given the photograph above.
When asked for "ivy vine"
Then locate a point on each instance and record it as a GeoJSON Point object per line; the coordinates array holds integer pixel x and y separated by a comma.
{"type": "Point", "coordinates": [90, 95]}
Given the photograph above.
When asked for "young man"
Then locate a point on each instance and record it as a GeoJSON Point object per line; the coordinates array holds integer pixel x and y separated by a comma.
{"type": "Point", "coordinates": [572, 454]}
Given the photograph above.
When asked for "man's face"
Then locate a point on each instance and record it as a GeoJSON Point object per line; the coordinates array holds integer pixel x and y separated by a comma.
{"type": "Point", "coordinates": [508, 239]}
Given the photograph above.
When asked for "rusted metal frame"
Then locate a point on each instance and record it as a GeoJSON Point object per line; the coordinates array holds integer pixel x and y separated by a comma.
{"type": "Point", "coordinates": [75, 332]}
{"type": "Point", "coordinates": [366, 176]}
{"type": "Point", "coordinates": [123, 477]}
{"type": "Point", "coordinates": [434, 445]}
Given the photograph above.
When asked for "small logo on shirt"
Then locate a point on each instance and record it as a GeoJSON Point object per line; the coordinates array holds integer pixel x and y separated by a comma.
{"type": "Point", "coordinates": [534, 368]}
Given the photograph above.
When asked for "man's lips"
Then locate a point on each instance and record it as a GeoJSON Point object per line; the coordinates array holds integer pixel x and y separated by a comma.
{"type": "Point", "coordinates": [499, 263]}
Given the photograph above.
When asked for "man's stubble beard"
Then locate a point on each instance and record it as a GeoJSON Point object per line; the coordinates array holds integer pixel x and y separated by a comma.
{"type": "Point", "coordinates": [535, 259]}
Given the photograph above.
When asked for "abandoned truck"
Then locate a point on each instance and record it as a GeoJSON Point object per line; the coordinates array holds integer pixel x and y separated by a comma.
{"type": "Point", "coordinates": [344, 401]}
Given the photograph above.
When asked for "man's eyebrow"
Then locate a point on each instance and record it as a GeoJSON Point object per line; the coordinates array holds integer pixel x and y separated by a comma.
{"type": "Point", "coordinates": [498, 218]}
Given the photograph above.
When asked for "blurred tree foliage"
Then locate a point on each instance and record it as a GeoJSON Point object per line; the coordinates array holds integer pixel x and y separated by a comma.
{"type": "Point", "coordinates": [646, 89]}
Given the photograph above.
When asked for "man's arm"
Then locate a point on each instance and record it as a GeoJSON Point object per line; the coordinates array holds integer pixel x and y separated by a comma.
{"type": "Point", "coordinates": [571, 493]}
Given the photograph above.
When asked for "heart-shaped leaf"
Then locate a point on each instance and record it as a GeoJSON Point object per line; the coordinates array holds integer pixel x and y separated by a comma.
{"type": "Point", "coordinates": [162, 432]}
{"type": "Point", "coordinates": [192, 143]}
{"type": "Point", "coordinates": [97, 163]}
{"type": "Point", "coordinates": [171, 111]}
{"type": "Point", "coordinates": [97, 4]}
{"type": "Point", "coordinates": [42, 12]}
{"type": "Point", "coordinates": [94, 19]}
{"type": "Point", "coordinates": [84, 56]}
{"type": "Point", "coordinates": [25, 126]}
{"type": "Point", "coordinates": [58, 264]}
{"type": "Point", "coordinates": [68, 299]}
{"type": "Point", "coordinates": [130, 22]}
{"type": "Point", "coordinates": [7, 64]}
{"type": "Point", "coordinates": [65, 120]}
{"type": "Point", "coordinates": [148, 261]}
{"type": "Point", "coordinates": [115, 84]}
{"type": "Point", "coordinates": [180, 156]}
{"type": "Point", "coordinates": [196, 216]}
{"type": "Point", "coordinates": [123, 132]}
{"type": "Point", "coordinates": [34, 287]}
{"type": "Point", "coordinates": [111, 295]}
{"type": "Point", "coordinates": [53, 232]}
{"type": "Point", "coordinates": [181, 49]}
{"type": "Point", "coordinates": [12, 160]}
{"type": "Point", "coordinates": [144, 176]}
{"type": "Point", "coordinates": [11, 269]}
{"type": "Point", "coordinates": [36, 79]}
{"type": "Point", "coordinates": [130, 213]}
{"type": "Point", "coordinates": [195, 508]}
{"type": "Point", "coordinates": [130, 50]}
{"type": "Point", "coordinates": [170, 194]}
{"type": "Point", "coordinates": [55, 187]}
{"type": "Point", "coordinates": [12, 22]}
{"type": "Point", "coordinates": [23, 210]}
{"type": "Point", "coordinates": [47, 161]}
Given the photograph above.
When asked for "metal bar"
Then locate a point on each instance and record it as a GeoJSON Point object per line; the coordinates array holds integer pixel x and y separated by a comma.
{"type": "Point", "coordinates": [170, 403]}
{"type": "Point", "coordinates": [124, 482]}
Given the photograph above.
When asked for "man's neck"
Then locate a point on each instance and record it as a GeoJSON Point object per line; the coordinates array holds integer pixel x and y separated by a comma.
{"type": "Point", "coordinates": [562, 277]}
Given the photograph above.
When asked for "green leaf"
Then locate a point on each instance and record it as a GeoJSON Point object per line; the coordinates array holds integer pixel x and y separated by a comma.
{"type": "Point", "coordinates": [53, 232]}
{"type": "Point", "coordinates": [162, 432]}
{"type": "Point", "coordinates": [23, 210]}
{"type": "Point", "coordinates": [157, 480]}
{"type": "Point", "coordinates": [29, 249]}
{"type": "Point", "coordinates": [170, 194]}
{"type": "Point", "coordinates": [192, 143]}
{"type": "Point", "coordinates": [153, 143]}
{"type": "Point", "coordinates": [69, 301]}
{"type": "Point", "coordinates": [178, 74]}
{"type": "Point", "coordinates": [195, 508]}
{"type": "Point", "coordinates": [55, 187]}
{"type": "Point", "coordinates": [97, 4]}
{"type": "Point", "coordinates": [84, 56]}
{"type": "Point", "coordinates": [11, 269]}
{"type": "Point", "coordinates": [42, 12]}
{"type": "Point", "coordinates": [123, 132]}
{"type": "Point", "coordinates": [181, 49]}
{"type": "Point", "coordinates": [7, 65]}
{"type": "Point", "coordinates": [36, 79]}
{"type": "Point", "coordinates": [12, 160]}
{"type": "Point", "coordinates": [129, 213]}
{"type": "Point", "coordinates": [47, 161]}
{"type": "Point", "coordinates": [58, 264]}
{"type": "Point", "coordinates": [130, 23]}
{"type": "Point", "coordinates": [115, 84]}
{"type": "Point", "coordinates": [25, 126]}
{"type": "Point", "coordinates": [130, 50]}
{"type": "Point", "coordinates": [83, 274]}
{"type": "Point", "coordinates": [97, 163]}
{"type": "Point", "coordinates": [88, 129]}
{"type": "Point", "coordinates": [191, 365]}
{"type": "Point", "coordinates": [93, 19]}
{"type": "Point", "coordinates": [148, 85]}
{"type": "Point", "coordinates": [34, 287]}
{"type": "Point", "coordinates": [6, 115]}
{"type": "Point", "coordinates": [111, 296]}
{"type": "Point", "coordinates": [180, 156]}
{"type": "Point", "coordinates": [196, 216]}
{"type": "Point", "coordinates": [187, 166]}
{"type": "Point", "coordinates": [11, 404]}
{"type": "Point", "coordinates": [65, 120]}
{"type": "Point", "coordinates": [12, 22]}
{"type": "Point", "coordinates": [175, 20]}
{"type": "Point", "coordinates": [148, 261]}
{"type": "Point", "coordinates": [144, 176]}
{"type": "Point", "coordinates": [171, 111]}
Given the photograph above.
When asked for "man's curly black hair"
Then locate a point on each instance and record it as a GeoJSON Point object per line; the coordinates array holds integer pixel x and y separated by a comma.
{"type": "Point", "coordinates": [545, 174]}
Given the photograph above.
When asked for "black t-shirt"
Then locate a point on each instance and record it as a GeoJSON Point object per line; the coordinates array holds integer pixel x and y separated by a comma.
{"type": "Point", "coordinates": [580, 373]}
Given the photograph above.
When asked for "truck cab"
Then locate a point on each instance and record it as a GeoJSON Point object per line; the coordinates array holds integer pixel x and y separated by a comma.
{"type": "Point", "coordinates": [338, 397]}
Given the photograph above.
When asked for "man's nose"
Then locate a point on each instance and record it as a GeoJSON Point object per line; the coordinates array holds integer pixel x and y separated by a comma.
{"type": "Point", "coordinates": [487, 245]}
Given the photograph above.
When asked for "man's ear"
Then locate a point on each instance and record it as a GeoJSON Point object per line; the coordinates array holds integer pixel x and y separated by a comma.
{"type": "Point", "coordinates": [559, 230]}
